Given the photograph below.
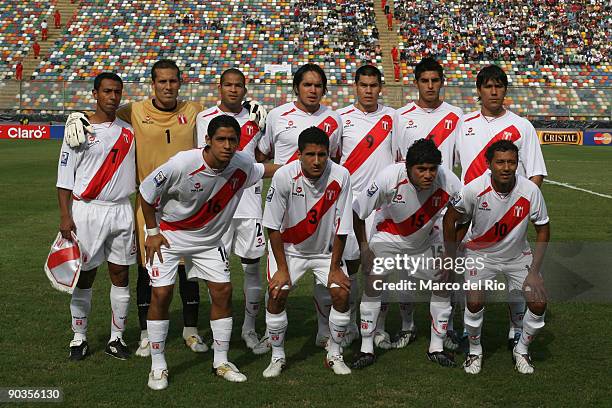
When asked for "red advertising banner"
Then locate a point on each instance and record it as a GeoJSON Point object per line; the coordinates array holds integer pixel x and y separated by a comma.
{"type": "Point", "coordinates": [33, 132]}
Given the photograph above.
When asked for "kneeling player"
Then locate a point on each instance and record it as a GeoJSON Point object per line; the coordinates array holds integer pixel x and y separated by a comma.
{"type": "Point", "coordinates": [308, 215]}
{"type": "Point", "coordinates": [196, 194]}
{"type": "Point", "coordinates": [498, 206]}
{"type": "Point", "coordinates": [99, 177]}
{"type": "Point", "coordinates": [410, 198]}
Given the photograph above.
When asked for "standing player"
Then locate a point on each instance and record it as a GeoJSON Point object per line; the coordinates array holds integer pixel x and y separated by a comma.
{"type": "Point", "coordinates": [410, 198]}
{"type": "Point", "coordinates": [308, 215]}
{"type": "Point", "coordinates": [283, 127]}
{"type": "Point", "coordinates": [94, 183]}
{"type": "Point", "coordinates": [366, 151]}
{"type": "Point", "coordinates": [245, 236]}
{"type": "Point", "coordinates": [498, 207]}
{"type": "Point", "coordinates": [480, 129]}
{"type": "Point", "coordinates": [196, 194]}
{"type": "Point", "coordinates": [426, 118]}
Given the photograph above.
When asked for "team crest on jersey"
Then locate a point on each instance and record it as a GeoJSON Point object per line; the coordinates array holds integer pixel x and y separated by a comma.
{"type": "Point", "coordinates": [297, 190]}
{"type": "Point", "coordinates": [372, 190]}
{"type": "Point", "coordinates": [182, 119]}
{"type": "Point", "coordinates": [147, 120]}
{"type": "Point", "coordinates": [330, 195]}
{"type": "Point", "coordinates": [64, 159]}
{"type": "Point", "coordinates": [484, 206]}
{"type": "Point", "coordinates": [270, 194]}
{"type": "Point", "coordinates": [159, 179]}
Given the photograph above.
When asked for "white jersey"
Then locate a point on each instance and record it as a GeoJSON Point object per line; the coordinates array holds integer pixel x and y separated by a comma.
{"type": "Point", "coordinates": [412, 123]}
{"type": "Point", "coordinates": [477, 133]}
{"type": "Point", "coordinates": [284, 125]}
{"type": "Point", "coordinates": [103, 168]}
{"type": "Point", "coordinates": [195, 199]}
{"type": "Point", "coordinates": [366, 143]}
{"type": "Point", "coordinates": [309, 214]}
{"type": "Point", "coordinates": [406, 216]}
{"type": "Point", "coordinates": [250, 204]}
{"type": "Point", "coordinates": [499, 224]}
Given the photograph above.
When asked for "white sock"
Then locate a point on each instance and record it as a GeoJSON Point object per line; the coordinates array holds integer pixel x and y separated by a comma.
{"type": "Point", "coordinates": [221, 333]}
{"type": "Point", "coordinates": [80, 306]}
{"type": "Point", "coordinates": [354, 299]}
{"type": "Point", "coordinates": [532, 323]}
{"type": "Point", "coordinates": [440, 310]}
{"type": "Point", "coordinates": [276, 325]}
{"type": "Point", "coordinates": [158, 331]}
{"type": "Point", "coordinates": [516, 309]}
{"type": "Point", "coordinates": [338, 323]}
{"type": "Point", "coordinates": [323, 302]}
{"type": "Point", "coordinates": [473, 326]}
{"type": "Point", "coordinates": [144, 334]}
{"type": "Point", "coordinates": [120, 303]}
{"type": "Point", "coordinates": [252, 295]}
{"type": "Point", "coordinates": [369, 310]}
{"type": "Point", "coordinates": [189, 331]}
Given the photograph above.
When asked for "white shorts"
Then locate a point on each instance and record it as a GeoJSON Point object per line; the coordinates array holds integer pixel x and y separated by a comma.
{"type": "Point", "coordinates": [245, 238]}
{"type": "Point", "coordinates": [206, 263]}
{"type": "Point", "coordinates": [105, 231]}
{"type": "Point", "coordinates": [515, 270]}
{"type": "Point", "coordinates": [299, 266]}
{"type": "Point", "coordinates": [351, 249]}
{"type": "Point", "coordinates": [417, 266]}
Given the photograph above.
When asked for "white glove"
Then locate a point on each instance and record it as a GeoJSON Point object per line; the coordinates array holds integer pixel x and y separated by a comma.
{"type": "Point", "coordinates": [76, 126]}
{"type": "Point", "coordinates": [257, 113]}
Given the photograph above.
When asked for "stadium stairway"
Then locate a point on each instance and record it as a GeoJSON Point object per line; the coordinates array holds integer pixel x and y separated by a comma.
{"type": "Point", "coordinates": [387, 40]}
{"type": "Point", "coordinates": [67, 11]}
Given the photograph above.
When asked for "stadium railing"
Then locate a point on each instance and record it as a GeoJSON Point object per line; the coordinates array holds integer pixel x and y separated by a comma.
{"type": "Point", "coordinates": [532, 102]}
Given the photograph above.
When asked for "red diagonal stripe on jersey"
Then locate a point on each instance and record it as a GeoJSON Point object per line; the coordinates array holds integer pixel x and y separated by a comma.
{"type": "Point", "coordinates": [443, 129]}
{"type": "Point", "coordinates": [247, 132]}
{"type": "Point", "coordinates": [416, 221]}
{"type": "Point", "coordinates": [512, 218]}
{"type": "Point", "coordinates": [368, 144]}
{"type": "Point", "coordinates": [479, 164]}
{"type": "Point", "coordinates": [329, 126]}
{"type": "Point", "coordinates": [215, 205]}
{"type": "Point", "coordinates": [306, 228]}
{"type": "Point", "coordinates": [63, 255]}
{"type": "Point", "coordinates": [111, 163]}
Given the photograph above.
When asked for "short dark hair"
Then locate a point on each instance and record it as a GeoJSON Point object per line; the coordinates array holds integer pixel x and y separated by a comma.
{"type": "Point", "coordinates": [491, 72]}
{"type": "Point", "coordinates": [106, 75]}
{"type": "Point", "coordinates": [500, 146]}
{"type": "Point", "coordinates": [222, 121]}
{"type": "Point", "coordinates": [423, 151]}
{"type": "Point", "coordinates": [312, 135]}
{"type": "Point", "coordinates": [165, 64]}
{"type": "Point", "coordinates": [428, 64]}
{"type": "Point", "coordinates": [368, 70]}
{"type": "Point", "coordinates": [299, 76]}
{"type": "Point", "coordinates": [234, 71]}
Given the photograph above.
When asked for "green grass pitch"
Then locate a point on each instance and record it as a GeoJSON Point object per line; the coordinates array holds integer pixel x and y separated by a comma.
{"type": "Point", "coordinates": [572, 354]}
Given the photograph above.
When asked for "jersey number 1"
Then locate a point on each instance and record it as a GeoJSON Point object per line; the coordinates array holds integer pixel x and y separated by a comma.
{"type": "Point", "coordinates": [168, 135]}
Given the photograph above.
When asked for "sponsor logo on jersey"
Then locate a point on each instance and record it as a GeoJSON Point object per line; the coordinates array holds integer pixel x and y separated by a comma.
{"type": "Point", "coordinates": [348, 123]}
{"type": "Point", "coordinates": [64, 159]}
{"type": "Point", "coordinates": [159, 179]}
{"type": "Point", "coordinates": [411, 125]}
{"type": "Point", "coordinates": [372, 190]}
{"type": "Point", "coordinates": [92, 141]}
{"type": "Point", "coordinates": [258, 190]}
{"type": "Point", "coordinates": [270, 194]}
{"type": "Point", "coordinates": [297, 190]}
{"type": "Point", "coordinates": [290, 125]}
{"type": "Point", "coordinates": [470, 132]}
{"type": "Point", "coordinates": [398, 199]}
{"type": "Point", "coordinates": [484, 206]}
{"type": "Point", "coordinates": [148, 120]}
{"type": "Point", "coordinates": [197, 187]}
{"type": "Point", "coordinates": [182, 119]}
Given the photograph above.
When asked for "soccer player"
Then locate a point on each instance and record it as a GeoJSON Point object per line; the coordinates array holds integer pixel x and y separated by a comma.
{"type": "Point", "coordinates": [480, 129]}
{"type": "Point", "coordinates": [409, 197]}
{"type": "Point", "coordinates": [498, 206]}
{"type": "Point", "coordinates": [280, 140]}
{"type": "Point", "coordinates": [308, 215]}
{"type": "Point", "coordinates": [94, 183]}
{"type": "Point", "coordinates": [196, 194]}
{"type": "Point", "coordinates": [431, 118]}
{"type": "Point", "coordinates": [366, 151]}
{"type": "Point", "coordinates": [245, 236]}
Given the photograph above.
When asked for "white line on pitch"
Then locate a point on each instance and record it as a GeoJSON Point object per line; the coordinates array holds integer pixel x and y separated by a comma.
{"type": "Point", "coordinates": [556, 183]}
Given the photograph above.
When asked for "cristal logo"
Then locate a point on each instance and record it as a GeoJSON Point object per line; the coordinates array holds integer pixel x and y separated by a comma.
{"type": "Point", "coordinates": [37, 132]}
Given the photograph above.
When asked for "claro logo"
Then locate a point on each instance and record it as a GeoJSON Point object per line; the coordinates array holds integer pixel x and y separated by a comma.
{"type": "Point", "coordinates": [24, 132]}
